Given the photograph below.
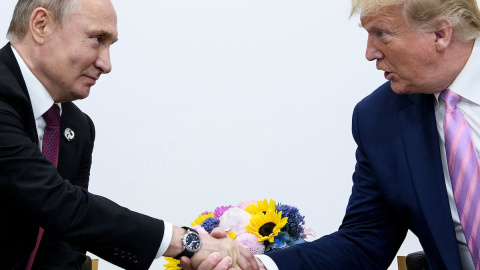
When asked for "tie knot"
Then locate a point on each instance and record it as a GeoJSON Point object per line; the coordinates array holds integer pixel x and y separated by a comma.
{"type": "Point", "coordinates": [52, 116]}
{"type": "Point", "coordinates": [450, 97]}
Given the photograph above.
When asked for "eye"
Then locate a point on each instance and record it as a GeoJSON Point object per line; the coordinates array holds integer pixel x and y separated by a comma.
{"type": "Point", "coordinates": [383, 36]}
{"type": "Point", "coordinates": [381, 33]}
{"type": "Point", "coordinates": [97, 40]}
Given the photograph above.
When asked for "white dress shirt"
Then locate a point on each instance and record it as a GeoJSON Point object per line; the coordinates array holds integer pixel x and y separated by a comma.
{"type": "Point", "coordinates": [41, 102]}
{"type": "Point", "coordinates": [467, 85]}
{"type": "Point", "coordinates": [39, 97]}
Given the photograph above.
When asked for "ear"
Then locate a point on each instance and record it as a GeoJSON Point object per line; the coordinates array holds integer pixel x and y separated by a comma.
{"type": "Point", "coordinates": [41, 24]}
{"type": "Point", "coordinates": [443, 36]}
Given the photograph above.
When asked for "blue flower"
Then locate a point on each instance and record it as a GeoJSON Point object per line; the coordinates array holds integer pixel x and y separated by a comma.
{"type": "Point", "coordinates": [299, 241]}
{"type": "Point", "coordinates": [278, 244]}
{"type": "Point", "coordinates": [295, 221]}
{"type": "Point", "coordinates": [210, 223]}
{"type": "Point", "coordinates": [282, 240]}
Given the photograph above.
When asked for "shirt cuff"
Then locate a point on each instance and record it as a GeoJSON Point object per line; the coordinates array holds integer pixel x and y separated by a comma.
{"type": "Point", "coordinates": [167, 238]}
{"type": "Point", "coordinates": [268, 262]}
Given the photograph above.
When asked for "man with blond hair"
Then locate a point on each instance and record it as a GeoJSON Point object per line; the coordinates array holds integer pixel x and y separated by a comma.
{"type": "Point", "coordinates": [58, 50]}
{"type": "Point", "coordinates": [413, 172]}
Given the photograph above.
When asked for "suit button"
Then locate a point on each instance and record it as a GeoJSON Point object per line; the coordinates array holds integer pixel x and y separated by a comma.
{"type": "Point", "coordinates": [134, 259]}
{"type": "Point", "coordinates": [129, 256]}
{"type": "Point", "coordinates": [116, 251]}
{"type": "Point", "coordinates": [122, 254]}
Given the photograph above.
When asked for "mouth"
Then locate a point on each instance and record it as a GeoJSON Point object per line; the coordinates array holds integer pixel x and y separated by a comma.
{"type": "Point", "coordinates": [388, 75]}
{"type": "Point", "coordinates": [92, 79]}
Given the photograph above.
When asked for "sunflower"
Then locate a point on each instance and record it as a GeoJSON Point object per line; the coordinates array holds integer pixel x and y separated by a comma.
{"type": "Point", "coordinates": [172, 264]}
{"type": "Point", "coordinates": [266, 226]}
{"type": "Point", "coordinates": [201, 219]}
{"type": "Point", "coordinates": [261, 207]}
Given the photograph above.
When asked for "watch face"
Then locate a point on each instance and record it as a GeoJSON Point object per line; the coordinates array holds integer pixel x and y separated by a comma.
{"type": "Point", "coordinates": [192, 242]}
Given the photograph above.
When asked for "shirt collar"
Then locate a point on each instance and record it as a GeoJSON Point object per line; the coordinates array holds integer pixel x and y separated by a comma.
{"type": "Point", "coordinates": [39, 96]}
{"type": "Point", "coordinates": [467, 84]}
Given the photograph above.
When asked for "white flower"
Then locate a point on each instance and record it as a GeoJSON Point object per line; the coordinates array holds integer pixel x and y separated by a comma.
{"type": "Point", "coordinates": [235, 219]}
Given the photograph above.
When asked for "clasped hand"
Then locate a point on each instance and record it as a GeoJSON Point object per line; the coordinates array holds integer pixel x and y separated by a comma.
{"type": "Point", "coordinates": [219, 252]}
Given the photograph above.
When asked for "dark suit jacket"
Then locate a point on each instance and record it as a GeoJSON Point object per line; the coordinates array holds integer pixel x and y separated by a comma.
{"type": "Point", "coordinates": [34, 193]}
{"type": "Point", "coordinates": [398, 184]}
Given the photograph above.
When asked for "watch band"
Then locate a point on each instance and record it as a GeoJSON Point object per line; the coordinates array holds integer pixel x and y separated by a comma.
{"type": "Point", "coordinates": [185, 252]}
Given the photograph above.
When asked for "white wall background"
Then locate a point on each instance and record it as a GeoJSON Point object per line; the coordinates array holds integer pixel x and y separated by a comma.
{"type": "Point", "coordinates": [213, 102]}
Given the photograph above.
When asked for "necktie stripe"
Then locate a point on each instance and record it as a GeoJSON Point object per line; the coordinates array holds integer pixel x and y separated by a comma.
{"type": "Point", "coordinates": [457, 147]}
{"type": "Point", "coordinates": [475, 236]}
{"type": "Point", "coordinates": [462, 175]}
{"type": "Point", "coordinates": [458, 144]}
{"type": "Point", "coordinates": [469, 210]}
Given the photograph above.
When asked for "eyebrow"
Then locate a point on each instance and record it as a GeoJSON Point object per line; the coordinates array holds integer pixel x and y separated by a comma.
{"type": "Point", "coordinates": [373, 28]}
{"type": "Point", "coordinates": [106, 34]}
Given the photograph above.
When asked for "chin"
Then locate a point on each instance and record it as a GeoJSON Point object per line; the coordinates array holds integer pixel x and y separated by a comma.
{"type": "Point", "coordinates": [81, 94]}
{"type": "Point", "coordinates": [400, 89]}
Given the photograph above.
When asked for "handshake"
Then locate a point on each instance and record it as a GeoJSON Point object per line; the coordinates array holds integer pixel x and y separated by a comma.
{"type": "Point", "coordinates": [217, 252]}
{"type": "Point", "coordinates": [230, 236]}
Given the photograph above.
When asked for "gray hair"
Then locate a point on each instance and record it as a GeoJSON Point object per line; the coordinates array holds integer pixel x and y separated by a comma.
{"type": "Point", "coordinates": [425, 15]}
{"type": "Point", "coordinates": [60, 10]}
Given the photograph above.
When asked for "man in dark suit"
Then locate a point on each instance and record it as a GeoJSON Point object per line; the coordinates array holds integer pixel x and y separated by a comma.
{"type": "Point", "coordinates": [58, 49]}
{"type": "Point", "coordinates": [402, 178]}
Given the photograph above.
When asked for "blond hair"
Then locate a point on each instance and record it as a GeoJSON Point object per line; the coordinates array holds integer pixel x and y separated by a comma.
{"type": "Point", "coordinates": [426, 15]}
{"type": "Point", "coordinates": [60, 10]}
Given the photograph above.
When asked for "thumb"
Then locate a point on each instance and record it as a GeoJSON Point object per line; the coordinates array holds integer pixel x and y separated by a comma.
{"type": "Point", "coordinates": [218, 233]}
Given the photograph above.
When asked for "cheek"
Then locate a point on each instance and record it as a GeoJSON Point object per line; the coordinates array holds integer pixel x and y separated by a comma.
{"type": "Point", "coordinates": [82, 56]}
{"type": "Point", "coordinates": [413, 64]}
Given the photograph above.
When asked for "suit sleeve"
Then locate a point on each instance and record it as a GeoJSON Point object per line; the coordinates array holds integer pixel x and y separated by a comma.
{"type": "Point", "coordinates": [33, 186]}
{"type": "Point", "coordinates": [369, 236]}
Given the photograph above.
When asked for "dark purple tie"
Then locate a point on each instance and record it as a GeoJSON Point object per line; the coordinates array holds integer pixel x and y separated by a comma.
{"type": "Point", "coordinates": [50, 151]}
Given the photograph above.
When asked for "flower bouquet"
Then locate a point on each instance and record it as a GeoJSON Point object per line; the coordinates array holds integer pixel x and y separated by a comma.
{"type": "Point", "coordinates": [259, 227]}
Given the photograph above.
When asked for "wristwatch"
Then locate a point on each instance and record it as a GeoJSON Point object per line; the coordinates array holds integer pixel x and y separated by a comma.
{"type": "Point", "coordinates": [191, 243]}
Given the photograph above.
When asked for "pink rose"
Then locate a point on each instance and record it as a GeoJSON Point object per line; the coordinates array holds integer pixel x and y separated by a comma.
{"type": "Point", "coordinates": [243, 204]}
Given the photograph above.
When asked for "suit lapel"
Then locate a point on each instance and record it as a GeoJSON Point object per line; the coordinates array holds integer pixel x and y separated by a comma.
{"type": "Point", "coordinates": [422, 149]}
{"type": "Point", "coordinates": [68, 150]}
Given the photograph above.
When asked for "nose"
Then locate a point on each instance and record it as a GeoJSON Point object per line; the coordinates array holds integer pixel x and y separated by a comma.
{"type": "Point", "coordinates": [103, 61]}
{"type": "Point", "coordinates": [373, 53]}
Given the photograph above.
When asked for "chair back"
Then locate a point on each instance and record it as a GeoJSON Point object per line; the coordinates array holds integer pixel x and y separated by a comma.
{"type": "Point", "coordinates": [90, 264]}
{"type": "Point", "coordinates": [413, 261]}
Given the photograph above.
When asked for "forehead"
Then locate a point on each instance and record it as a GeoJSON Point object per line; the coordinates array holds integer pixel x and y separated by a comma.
{"type": "Point", "coordinates": [386, 17]}
{"type": "Point", "coordinates": [96, 16]}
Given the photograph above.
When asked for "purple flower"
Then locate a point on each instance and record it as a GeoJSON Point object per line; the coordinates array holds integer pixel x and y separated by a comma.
{"type": "Point", "coordinates": [220, 210]}
{"type": "Point", "coordinates": [295, 222]}
{"type": "Point", "coordinates": [210, 223]}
